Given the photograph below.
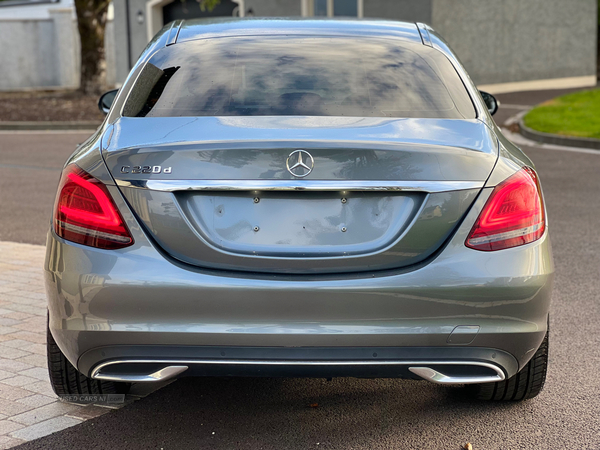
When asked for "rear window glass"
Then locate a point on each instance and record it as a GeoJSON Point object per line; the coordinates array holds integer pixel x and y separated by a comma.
{"type": "Point", "coordinates": [299, 76]}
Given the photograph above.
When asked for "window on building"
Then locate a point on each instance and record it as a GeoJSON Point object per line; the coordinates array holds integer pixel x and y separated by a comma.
{"type": "Point", "coordinates": [332, 8]}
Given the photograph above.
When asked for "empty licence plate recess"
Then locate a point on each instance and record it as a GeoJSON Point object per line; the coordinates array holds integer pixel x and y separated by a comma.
{"type": "Point", "coordinates": [300, 223]}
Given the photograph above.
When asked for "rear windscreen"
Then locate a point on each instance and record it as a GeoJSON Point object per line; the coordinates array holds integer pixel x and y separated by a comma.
{"type": "Point", "coordinates": [299, 76]}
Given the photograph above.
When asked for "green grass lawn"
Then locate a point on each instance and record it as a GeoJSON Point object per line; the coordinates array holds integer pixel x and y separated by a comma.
{"type": "Point", "coordinates": [571, 115]}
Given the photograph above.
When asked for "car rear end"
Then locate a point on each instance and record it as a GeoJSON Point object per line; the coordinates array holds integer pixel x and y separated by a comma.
{"type": "Point", "coordinates": [410, 242]}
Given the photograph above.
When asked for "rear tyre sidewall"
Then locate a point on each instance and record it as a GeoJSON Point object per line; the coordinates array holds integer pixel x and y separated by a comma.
{"type": "Point", "coordinates": [526, 384]}
{"type": "Point", "coordinates": [67, 380]}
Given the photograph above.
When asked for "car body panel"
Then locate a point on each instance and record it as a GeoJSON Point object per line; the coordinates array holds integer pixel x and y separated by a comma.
{"type": "Point", "coordinates": [115, 298]}
{"type": "Point", "coordinates": [451, 303]}
{"type": "Point", "coordinates": [305, 232]}
{"type": "Point", "coordinates": [215, 28]}
{"type": "Point", "coordinates": [367, 148]}
{"type": "Point", "coordinates": [311, 232]}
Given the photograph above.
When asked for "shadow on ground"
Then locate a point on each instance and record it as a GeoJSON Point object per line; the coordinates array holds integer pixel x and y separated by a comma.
{"type": "Point", "coordinates": [272, 413]}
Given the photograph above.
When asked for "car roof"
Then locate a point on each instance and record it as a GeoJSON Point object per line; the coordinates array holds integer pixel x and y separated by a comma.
{"type": "Point", "coordinates": [208, 28]}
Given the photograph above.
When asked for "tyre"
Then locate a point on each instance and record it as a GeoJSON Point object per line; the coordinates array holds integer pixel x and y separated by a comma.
{"type": "Point", "coordinates": [67, 380]}
{"type": "Point", "coordinates": [528, 383]}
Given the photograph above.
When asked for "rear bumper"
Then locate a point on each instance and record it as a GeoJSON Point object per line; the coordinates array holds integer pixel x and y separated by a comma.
{"type": "Point", "coordinates": [136, 298]}
{"type": "Point", "coordinates": [446, 365]}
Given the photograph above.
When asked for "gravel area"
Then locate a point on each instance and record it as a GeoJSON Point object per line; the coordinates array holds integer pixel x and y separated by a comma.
{"type": "Point", "coordinates": [48, 106]}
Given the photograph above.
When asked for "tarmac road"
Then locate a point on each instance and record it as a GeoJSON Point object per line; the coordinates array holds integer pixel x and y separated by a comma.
{"type": "Point", "coordinates": [30, 165]}
{"type": "Point", "coordinates": [352, 413]}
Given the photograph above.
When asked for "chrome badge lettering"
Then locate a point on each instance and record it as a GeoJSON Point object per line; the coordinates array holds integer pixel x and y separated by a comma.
{"type": "Point", "coordinates": [145, 169]}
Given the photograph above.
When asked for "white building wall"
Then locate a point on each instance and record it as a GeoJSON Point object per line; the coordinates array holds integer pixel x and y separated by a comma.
{"type": "Point", "coordinates": [500, 42]}
{"type": "Point", "coordinates": [40, 46]}
{"type": "Point", "coordinates": [504, 43]}
{"type": "Point", "coordinates": [22, 10]}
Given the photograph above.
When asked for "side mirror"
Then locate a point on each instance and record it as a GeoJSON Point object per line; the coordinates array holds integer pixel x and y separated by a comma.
{"type": "Point", "coordinates": [490, 101]}
{"type": "Point", "coordinates": [106, 101]}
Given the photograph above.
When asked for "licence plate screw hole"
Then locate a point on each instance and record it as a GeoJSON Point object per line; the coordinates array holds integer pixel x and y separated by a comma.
{"type": "Point", "coordinates": [256, 228]}
{"type": "Point", "coordinates": [256, 199]}
{"type": "Point", "coordinates": [344, 200]}
{"type": "Point", "coordinates": [343, 229]}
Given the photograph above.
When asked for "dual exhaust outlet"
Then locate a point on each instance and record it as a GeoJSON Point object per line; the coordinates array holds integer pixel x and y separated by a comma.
{"type": "Point", "coordinates": [457, 372]}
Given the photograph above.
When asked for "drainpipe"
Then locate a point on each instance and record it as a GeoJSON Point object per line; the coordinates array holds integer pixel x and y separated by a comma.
{"type": "Point", "coordinates": [128, 35]}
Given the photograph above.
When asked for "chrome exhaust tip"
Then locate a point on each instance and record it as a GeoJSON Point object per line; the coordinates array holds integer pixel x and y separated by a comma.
{"type": "Point", "coordinates": [165, 373]}
{"type": "Point", "coordinates": [429, 374]}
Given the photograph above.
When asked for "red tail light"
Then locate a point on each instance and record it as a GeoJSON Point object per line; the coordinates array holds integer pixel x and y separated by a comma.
{"type": "Point", "coordinates": [85, 212]}
{"type": "Point", "coordinates": [512, 216]}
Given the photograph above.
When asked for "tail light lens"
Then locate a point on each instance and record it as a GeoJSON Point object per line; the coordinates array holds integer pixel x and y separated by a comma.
{"type": "Point", "coordinates": [85, 212]}
{"type": "Point", "coordinates": [512, 216]}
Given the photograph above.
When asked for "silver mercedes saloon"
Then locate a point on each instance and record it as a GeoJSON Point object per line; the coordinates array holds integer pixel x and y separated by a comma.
{"type": "Point", "coordinates": [299, 198]}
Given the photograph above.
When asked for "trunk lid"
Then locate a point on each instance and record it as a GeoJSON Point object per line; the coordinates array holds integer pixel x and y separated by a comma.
{"type": "Point", "coordinates": [216, 192]}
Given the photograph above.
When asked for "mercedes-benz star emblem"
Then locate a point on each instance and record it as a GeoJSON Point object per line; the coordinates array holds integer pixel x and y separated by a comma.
{"type": "Point", "coordinates": [300, 163]}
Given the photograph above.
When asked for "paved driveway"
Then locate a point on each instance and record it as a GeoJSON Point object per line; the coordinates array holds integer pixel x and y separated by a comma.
{"type": "Point", "coordinates": [368, 414]}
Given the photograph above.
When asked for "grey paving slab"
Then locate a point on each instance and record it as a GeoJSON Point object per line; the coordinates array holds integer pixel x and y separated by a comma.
{"type": "Point", "coordinates": [44, 428]}
{"type": "Point", "coordinates": [45, 412]}
{"type": "Point", "coordinates": [6, 426]}
{"type": "Point", "coordinates": [19, 380]}
{"type": "Point", "coordinates": [36, 400]}
{"type": "Point", "coordinates": [9, 442]}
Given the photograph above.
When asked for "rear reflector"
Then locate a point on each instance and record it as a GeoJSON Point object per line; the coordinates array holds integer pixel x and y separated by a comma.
{"type": "Point", "coordinates": [85, 212]}
{"type": "Point", "coordinates": [512, 216]}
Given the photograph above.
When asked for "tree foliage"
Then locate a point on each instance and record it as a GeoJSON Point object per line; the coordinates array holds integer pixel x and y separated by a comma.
{"type": "Point", "coordinates": [207, 5]}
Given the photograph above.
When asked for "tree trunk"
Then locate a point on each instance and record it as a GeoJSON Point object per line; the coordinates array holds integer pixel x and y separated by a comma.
{"type": "Point", "coordinates": [91, 21]}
